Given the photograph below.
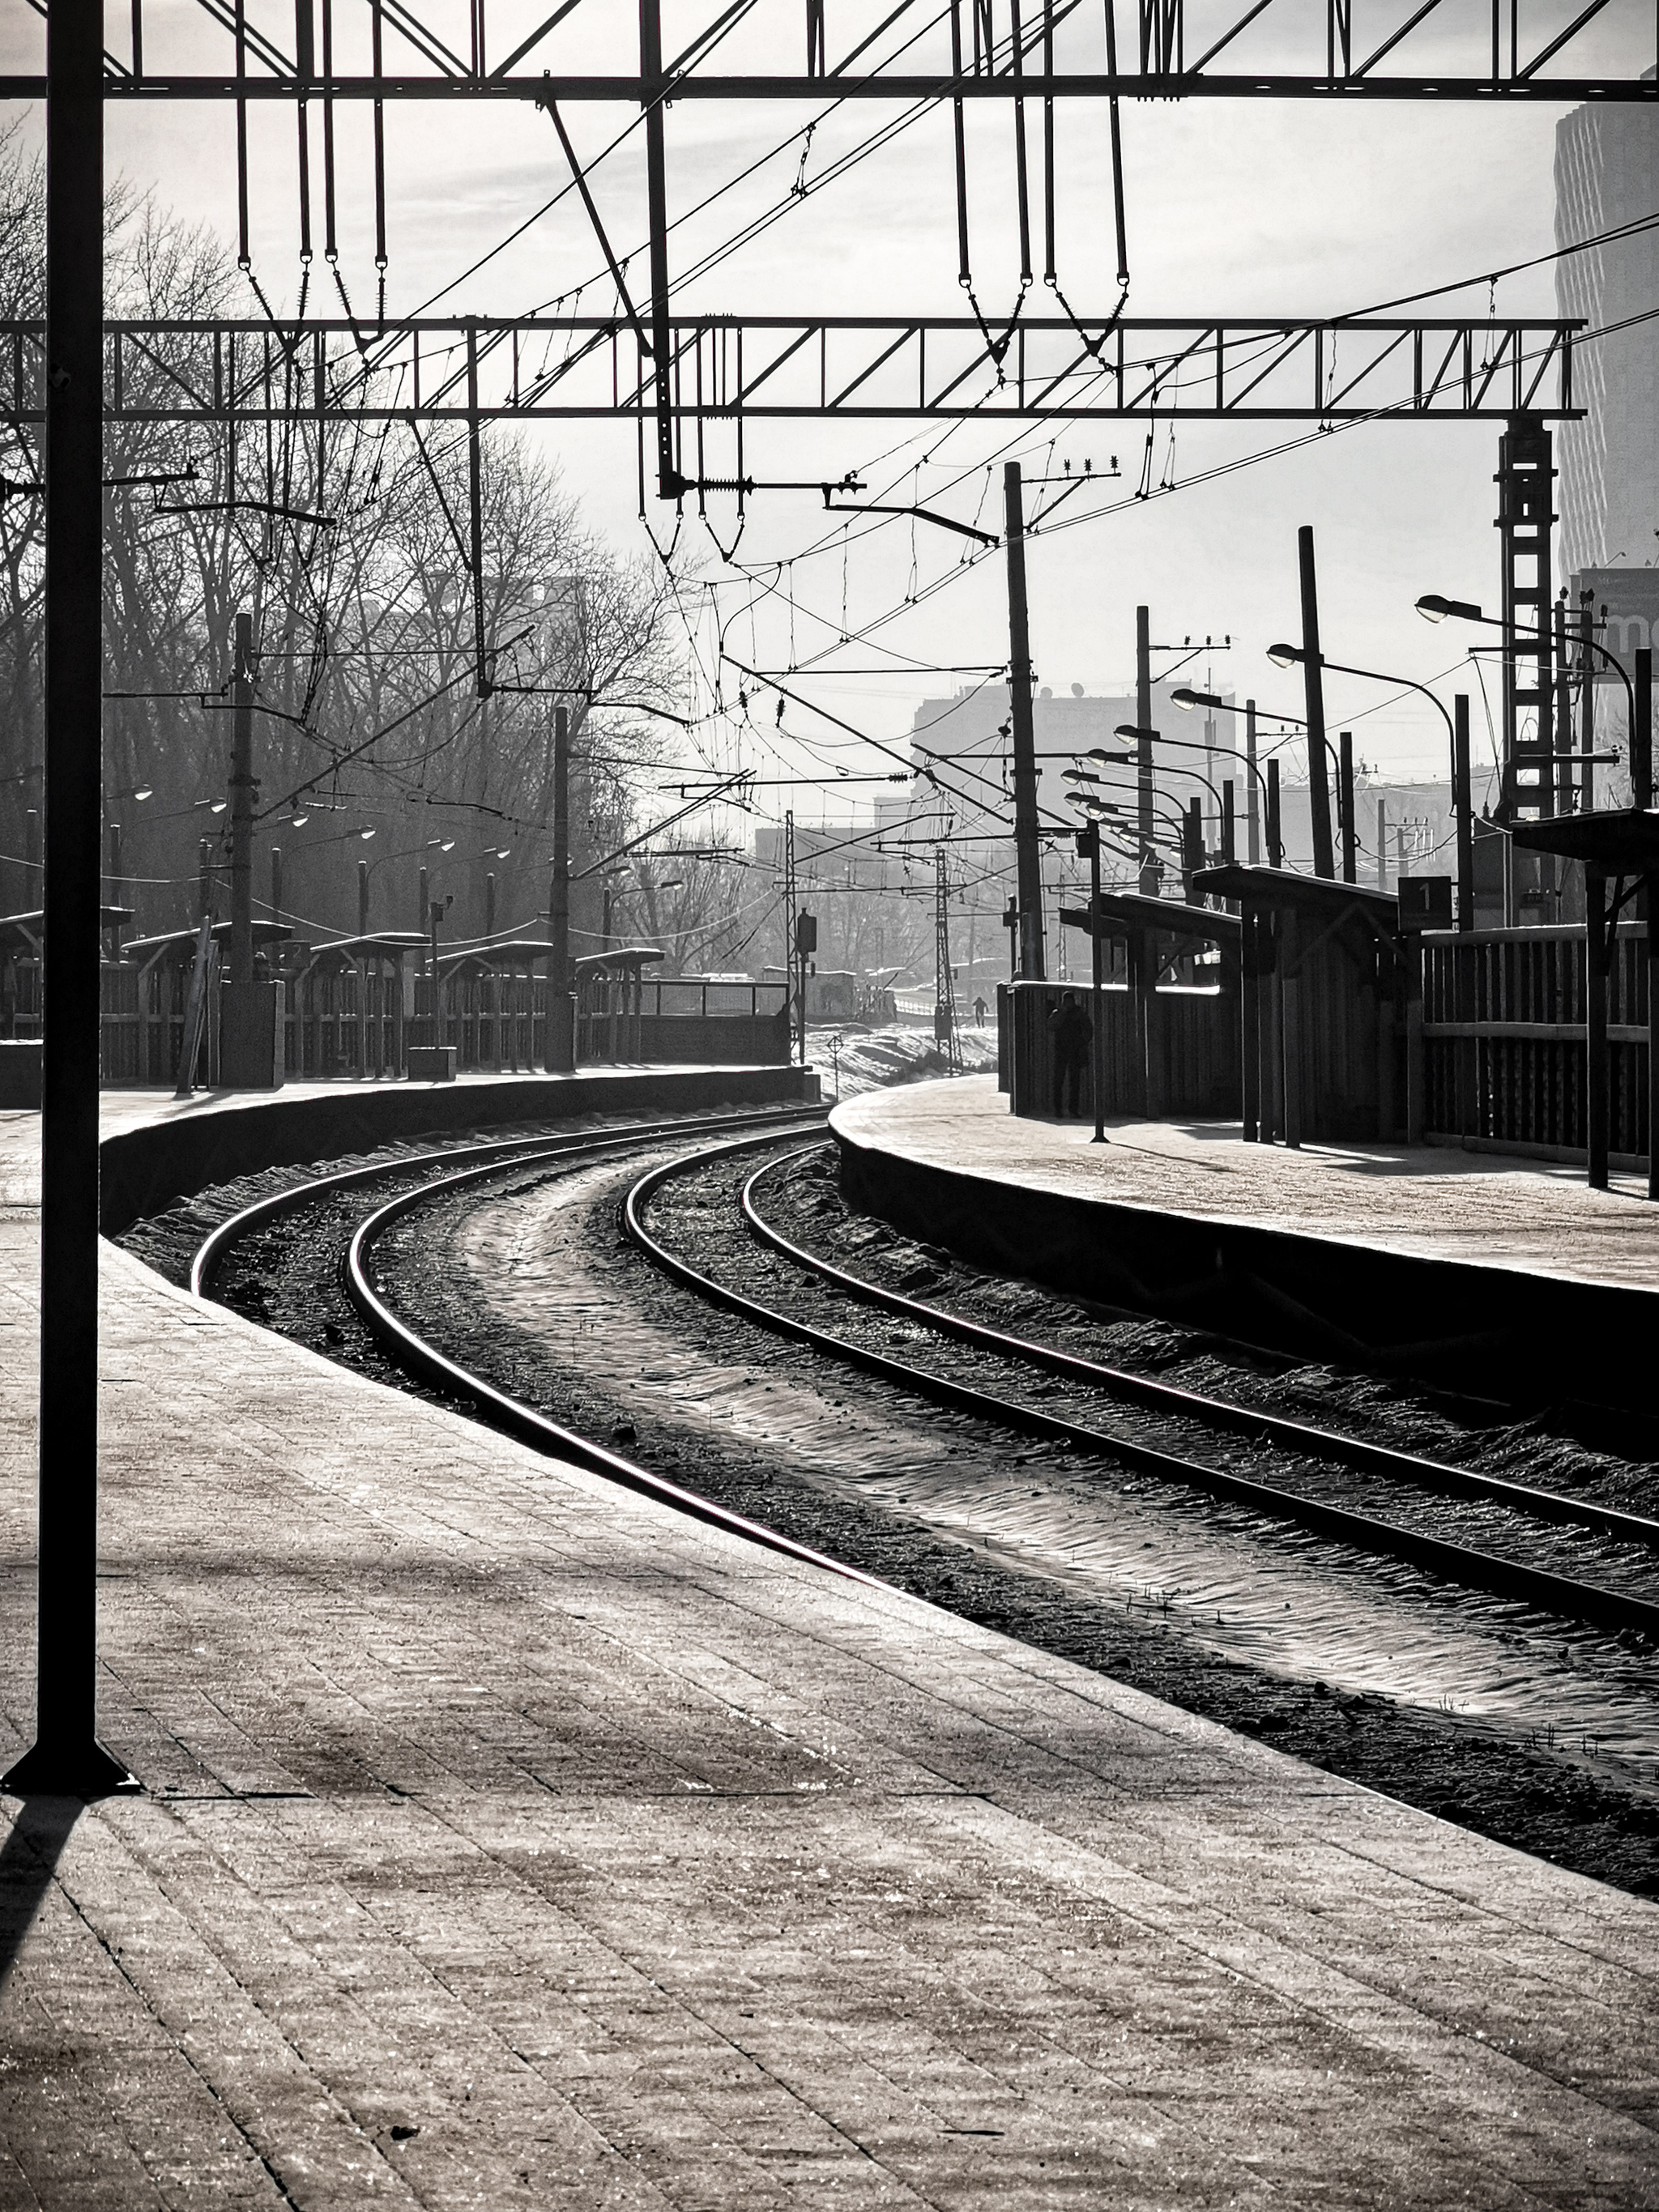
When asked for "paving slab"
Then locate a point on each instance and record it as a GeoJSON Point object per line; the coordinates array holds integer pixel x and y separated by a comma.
{"type": "Point", "coordinates": [507, 1839]}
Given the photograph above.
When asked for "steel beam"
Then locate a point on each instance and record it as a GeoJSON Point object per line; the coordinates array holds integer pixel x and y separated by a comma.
{"type": "Point", "coordinates": [780, 368]}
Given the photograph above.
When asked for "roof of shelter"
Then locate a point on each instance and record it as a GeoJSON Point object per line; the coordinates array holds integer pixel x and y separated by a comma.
{"type": "Point", "coordinates": [29, 928]}
{"type": "Point", "coordinates": [503, 953]}
{"type": "Point", "coordinates": [1322, 895]}
{"type": "Point", "coordinates": [620, 956]}
{"type": "Point", "coordinates": [1623, 841]}
{"type": "Point", "coordinates": [377, 940]}
{"type": "Point", "coordinates": [1122, 911]}
{"type": "Point", "coordinates": [264, 933]}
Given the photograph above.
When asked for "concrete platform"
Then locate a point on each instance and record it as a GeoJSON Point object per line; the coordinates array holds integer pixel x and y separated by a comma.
{"type": "Point", "coordinates": [507, 1840]}
{"type": "Point", "coordinates": [1506, 1274]}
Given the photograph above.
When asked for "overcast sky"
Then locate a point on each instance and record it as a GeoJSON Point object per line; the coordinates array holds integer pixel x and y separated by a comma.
{"type": "Point", "coordinates": [1242, 208]}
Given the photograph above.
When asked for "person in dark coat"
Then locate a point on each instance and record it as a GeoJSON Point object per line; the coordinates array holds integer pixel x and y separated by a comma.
{"type": "Point", "coordinates": [1072, 1033]}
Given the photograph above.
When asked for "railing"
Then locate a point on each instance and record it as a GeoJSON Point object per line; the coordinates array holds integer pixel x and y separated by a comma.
{"type": "Point", "coordinates": [1503, 1050]}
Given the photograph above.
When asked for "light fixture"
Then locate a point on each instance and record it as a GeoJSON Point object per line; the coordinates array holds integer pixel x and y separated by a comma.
{"type": "Point", "coordinates": [1433, 608]}
{"type": "Point", "coordinates": [1285, 656]}
{"type": "Point", "coordinates": [366, 834]}
{"type": "Point", "coordinates": [145, 793]}
{"type": "Point", "coordinates": [1124, 730]}
{"type": "Point", "coordinates": [1187, 700]}
{"type": "Point", "coordinates": [298, 821]}
{"type": "Point", "coordinates": [1078, 775]}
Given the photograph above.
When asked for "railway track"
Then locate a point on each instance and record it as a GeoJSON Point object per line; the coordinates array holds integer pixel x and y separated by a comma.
{"type": "Point", "coordinates": [1617, 1589]}
{"type": "Point", "coordinates": [432, 1175]}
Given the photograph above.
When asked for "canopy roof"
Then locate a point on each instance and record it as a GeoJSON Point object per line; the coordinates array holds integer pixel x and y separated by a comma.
{"type": "Point", "coordinates": [1320, 895]}
{"type": "Point", "coordinates": [378, 940]}
{"type": "Point", "coordinates": [1121, 912]}
{"type": "Point", "coordinates": [1622, 841]}
{"type": "Point", "coordinates": [620, 956]}
{"type": "Point", "coordinates": [264, 933]}
{"type": "Point", "coordinates": [29, 929]}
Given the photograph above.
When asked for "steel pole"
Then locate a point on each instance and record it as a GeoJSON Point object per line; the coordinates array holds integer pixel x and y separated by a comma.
{"type": "Point", "coordinates": [1097, 991]}
{"type": "Point", "coordinates": [1463, 808]}
{"type": "Point", "coordinates": [1313, 680]}
{"type": "Point", "coordinates": [1252, 812]}
{"type": "Point", "coordinates": [1144, 767]}
{"type": "Point", "coordinates": [1028, 852]}
{"type": "Point", "coordinates": [66, 1758]}
{"type": "Point", "coordinates": [241, 804]}
{"type": "Point", "coordinates": [561, 1054]}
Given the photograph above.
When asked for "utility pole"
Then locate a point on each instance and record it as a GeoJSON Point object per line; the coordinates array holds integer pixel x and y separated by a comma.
{"type": "Point", "coordinates": [944, 996]}
{"type": "Point", "coordinates": [362, 898]}
{"type": "Point", "coordinates": [561, 1053]}
{"type": "Point", "coordinates": [790, 955]}
{"type": "Point", "coordinates": [250, 1012]}
{"type": "Point", "coordinates": [1345, 806]}
{"type": "Point", "coordinates": [241, 804]}
{"type": "Point", "coordinates": [1313, 678]}
{"type": "Point", "coordinates": [1252, 811]}
{"type": "Point", "coordinates": [1143, 783]}
{"type": "Point", "coordinates": [276, 884]}
{"type": "Point", "coordinates": [1028, 851]}
{"type": "Point", "coordinates": [1088, 845]}
{"type": "Point", "coordinates": [67, 1759]}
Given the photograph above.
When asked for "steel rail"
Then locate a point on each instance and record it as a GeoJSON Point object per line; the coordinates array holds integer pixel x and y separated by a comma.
{"type": "Point", "coordinates": [416, 1355]}
{"type": "Point", "coordinates": [294, 1196]}
{"type": "Point", "coordinates": [1456, 1563]}
{"type": "Point", "coordinates": [412, 1353]}
{"type": "Point", "coordinates": [1302, 1437]}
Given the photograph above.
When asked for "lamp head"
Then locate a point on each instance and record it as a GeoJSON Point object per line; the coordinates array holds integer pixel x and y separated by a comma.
{"type": "Point", "coordinates": [1285, 656]}
{"type": "Point", "coordinates": [1188, 699]}
{"type": "Point", "coordinates": [366, 834]}
{"type": "Point", "coordinates": [1078, 775]}
{"type": "Point", "coordinates": [1434, 608]}
{"type": "Point", "coordinates": [1112, 760]}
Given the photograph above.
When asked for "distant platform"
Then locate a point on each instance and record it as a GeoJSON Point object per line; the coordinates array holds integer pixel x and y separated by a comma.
{"type": "Point", "coordinates": [506, 1839]}
{"type": "Point", "coordinates": [156, 1148]}
{"type": "Point", "coordinates": [1439, 1261]}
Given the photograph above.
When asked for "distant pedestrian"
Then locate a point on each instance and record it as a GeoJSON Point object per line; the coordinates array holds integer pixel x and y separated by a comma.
{"type": "Point", "coordinates": [1071, 1034]}
{"type": "Point", "coordinates": [979, 1013]}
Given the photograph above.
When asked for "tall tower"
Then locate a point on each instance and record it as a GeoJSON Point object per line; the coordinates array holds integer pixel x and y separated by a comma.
{"type": "Point", "coordinates": [1607, 172]}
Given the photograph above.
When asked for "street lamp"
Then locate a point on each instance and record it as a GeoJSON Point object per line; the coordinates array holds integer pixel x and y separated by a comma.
{"type": "Point", "coordinates": [1457, 735]}
{"type": "Point", "coordinates": [1434, 608]}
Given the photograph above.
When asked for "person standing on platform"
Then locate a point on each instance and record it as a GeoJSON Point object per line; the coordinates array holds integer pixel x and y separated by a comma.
{"type": "Point", "coordinates": [1072, 1033]}
{"type": "Point", "coordinates": [979, 1013]}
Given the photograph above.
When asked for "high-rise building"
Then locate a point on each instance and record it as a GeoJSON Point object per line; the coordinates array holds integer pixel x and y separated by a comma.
{"type": "Point", "coordinates": [1607, 172]}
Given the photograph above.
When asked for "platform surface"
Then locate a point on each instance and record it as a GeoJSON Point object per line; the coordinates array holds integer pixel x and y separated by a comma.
{"type": "Point", "coordinates": [1428, 1199]}
{"type": "Point", "coordinates": [507, 1839]}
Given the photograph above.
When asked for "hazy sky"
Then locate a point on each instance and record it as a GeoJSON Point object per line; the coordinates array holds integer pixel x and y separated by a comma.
{"type": "Point", "coordinates": [1244, 208]}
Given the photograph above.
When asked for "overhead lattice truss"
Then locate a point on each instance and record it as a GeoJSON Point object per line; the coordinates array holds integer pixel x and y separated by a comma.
{"type": "Point", "coordinates": [761, 367]}
{"type": "Point", "coordinates": [907, 49]}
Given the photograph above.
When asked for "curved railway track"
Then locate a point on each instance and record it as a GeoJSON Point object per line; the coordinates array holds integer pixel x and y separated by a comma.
{"type": "Point", "coordinates": [1576, 1595]}
{"type": "Point", "coordinates": [439, 1175]}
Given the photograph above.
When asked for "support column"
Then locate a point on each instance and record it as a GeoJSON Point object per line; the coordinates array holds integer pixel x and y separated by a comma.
{"type": "Point", "coordinates": [1595, 1028]}
{"type": "Point", "coordinates": [1313, 678]}
{"type": "Point", "coordinates": [1028, 850]}
{"type": "Point", "coordinates": [66, 1758]}
{"type": "Point", "coordinates": [560, 1051]}
{"type": "Point", "coordinates": [1144, 767]}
